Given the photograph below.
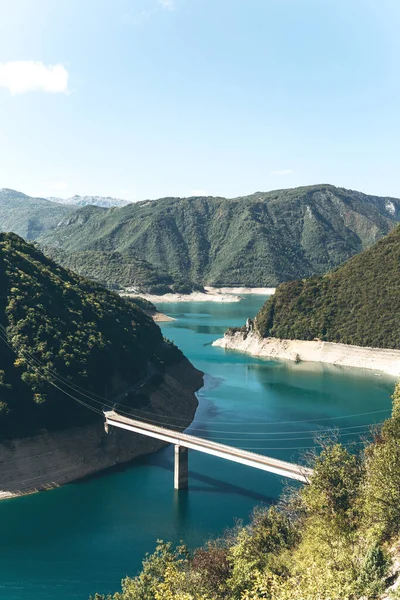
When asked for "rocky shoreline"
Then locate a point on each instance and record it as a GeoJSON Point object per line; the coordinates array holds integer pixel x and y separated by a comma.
{"type": "Point", "coordinates": [376, 359]}
{"type": "Point", "coordinates": [264, 291]}
{"type": "Point", "coordinates": [193, 297]}
{"type": "Point", "coordinates": [159, 317]}
{"type": "Point", "coordinates": [211, 294]}
{"type": "Point", "coordinates": [52, 459]}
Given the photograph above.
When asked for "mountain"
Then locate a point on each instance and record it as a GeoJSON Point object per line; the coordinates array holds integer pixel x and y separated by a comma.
{"type": "Point", "coordinates": [68, 346]}
{"type": "Point", "coordinates": [180, 243]}
{"type": "Point", "coordinates": [258, 240]}
{"type": "Point", "coordinates": [104, 201]}
{"type": "Point", "coordinates": [357, 303]}
{"type": "Point", "coordinates": [121, 271]}
{"type": "Point", "coordinates": [29, 217]}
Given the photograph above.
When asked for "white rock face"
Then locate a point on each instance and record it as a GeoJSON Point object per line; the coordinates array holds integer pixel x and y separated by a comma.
{"type": "Point", "coordinates": [377, 359]}
{"type": "Point", "coordinates": [390, 207]}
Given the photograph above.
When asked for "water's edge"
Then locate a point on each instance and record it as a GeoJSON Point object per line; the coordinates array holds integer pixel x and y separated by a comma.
{"type": "Point", "coordinates": [52, 459]}
{"type": "Point", "coordinates": [375, 359]}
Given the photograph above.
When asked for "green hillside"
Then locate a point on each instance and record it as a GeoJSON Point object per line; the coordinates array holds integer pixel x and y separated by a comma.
{"type": "Point", "coordinates": [29, 217]}
{"type": "Point", "coordinates": [357, 303]}
{"type": "Point", "coordinates": [121, 271]}
{"type": "Point", "coordinates": [258, 240]}
{"type": "Point", "coordinates": [59, 330]}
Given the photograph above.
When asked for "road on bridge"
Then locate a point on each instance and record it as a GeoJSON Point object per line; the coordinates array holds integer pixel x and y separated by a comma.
{"type": "Point", "coordinates": [184, 440]}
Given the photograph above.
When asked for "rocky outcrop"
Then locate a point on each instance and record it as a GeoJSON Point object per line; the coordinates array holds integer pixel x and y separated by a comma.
{"type": "Point", "coordinates": [377, 359]}
{"type": "Point", "coordinates": [51, 459]}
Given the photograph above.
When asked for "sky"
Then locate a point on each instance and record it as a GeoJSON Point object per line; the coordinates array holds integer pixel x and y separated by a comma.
{"type": "Point", "coordinates": [150, 98]}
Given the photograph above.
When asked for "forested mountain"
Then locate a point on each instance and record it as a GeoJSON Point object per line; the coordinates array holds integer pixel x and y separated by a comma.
{"type": "Point", "coordinates": [60, 331]}
{"type": "Point", "coordinates": [126, 271]}
{"type": "Point", "coordinates": [178, 243]}
{"type": "Point", "coordinates": [258, 240]}
{"type": "Point", "coordinates": [357, 303]}
{"type": "Point", "coordinates": [104, 201]}
{"type": "Point", "coordinates": [29, 217]}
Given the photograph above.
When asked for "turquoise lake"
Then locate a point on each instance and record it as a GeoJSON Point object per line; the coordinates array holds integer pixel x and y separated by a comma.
{"type": "Point", "coordinates": [74, 541]}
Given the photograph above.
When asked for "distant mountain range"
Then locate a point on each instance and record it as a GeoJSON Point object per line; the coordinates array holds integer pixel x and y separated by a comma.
{"type": "Point", "coordinates": [258, 240]}
{"type": "Point", "coordinates": [29, 217]}
{"type": "Point", "coordinates": [103, 201]}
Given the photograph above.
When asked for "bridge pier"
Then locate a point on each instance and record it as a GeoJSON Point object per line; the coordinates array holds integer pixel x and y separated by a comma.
{"type": "Point", "coordinates": [183, 441]}
{"type": "Point", "coordinates": [181, 467]}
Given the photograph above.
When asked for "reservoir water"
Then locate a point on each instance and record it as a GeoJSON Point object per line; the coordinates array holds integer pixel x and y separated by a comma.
{"type": "Point", "coordinates": [74, 541]}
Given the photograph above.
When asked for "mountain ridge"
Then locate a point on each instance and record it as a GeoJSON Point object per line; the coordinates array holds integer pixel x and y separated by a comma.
{"type": "Point", "coordinates": [257, 241]}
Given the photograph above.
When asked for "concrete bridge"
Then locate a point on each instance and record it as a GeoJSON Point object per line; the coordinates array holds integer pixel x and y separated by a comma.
{"type": "Point", "coordinates": [184, 441]}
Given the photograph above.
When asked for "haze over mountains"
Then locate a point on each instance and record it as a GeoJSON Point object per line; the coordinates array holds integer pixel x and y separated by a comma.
{"type": "Point", "coordinates": [257, 240]}
{"type": "Point", "coordinates": [29, 217]}
{"type": "Point", "coordinates": [104, 201]}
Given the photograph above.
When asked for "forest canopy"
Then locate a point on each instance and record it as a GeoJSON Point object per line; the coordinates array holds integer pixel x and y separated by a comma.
{"type": "Point", "coordinates": [357, 303]}
{"type": "Point", "coordinates": [259, 240]}
{"type": "Point", "coordinates": [60, 330]}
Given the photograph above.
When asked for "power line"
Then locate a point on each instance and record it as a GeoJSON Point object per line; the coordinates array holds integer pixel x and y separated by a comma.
{"type": "Point", "coordinates": [35, 367]}
{"type": "Point", "coordinates": [153, 421]}
{"type": "Point", "coordinates": [102, 401]}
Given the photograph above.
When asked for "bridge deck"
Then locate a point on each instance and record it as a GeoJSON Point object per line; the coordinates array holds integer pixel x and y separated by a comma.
{"type": "Point", "coordinates": [244, 457]}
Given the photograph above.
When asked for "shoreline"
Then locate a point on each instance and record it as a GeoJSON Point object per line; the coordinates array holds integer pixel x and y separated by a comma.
{"type": "Point", "coordinates": [193, 297]}
{"type": "Point", "coordinates": [260, 291]}
{"type": "Point", "coordinates": [211, 294]}
{"type": "Point", "coordinates": [51, 459]}
{"type": "Point", "coordinates": [344, 355]}
{"type": "Point", "coordinates": [159, 317]}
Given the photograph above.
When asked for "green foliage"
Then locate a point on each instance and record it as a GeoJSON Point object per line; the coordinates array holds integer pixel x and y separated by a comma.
{"type": "Point", "coordinates": [257, 546]}
{"type": "Point", "coordinates": [335, 487]}
{"type": "Point", "coordinates": [118, 271]}
{"type": "Point", "coordinates": [382, 486]}
{"type": "Point", "coordinates": [374, 571]}
{"type": "Point", "coordinates": [258, 240]}
{"type": "Point", "coordinates": [154, 573]}
{"type": "Point", "coordinates": [357, 303]}
{"type": "Point", "coordinates": [142, 303]}
{"type": "Point", "coordinates": [73, 328]}
{"type": "Point", "coordinates": [321, 544]}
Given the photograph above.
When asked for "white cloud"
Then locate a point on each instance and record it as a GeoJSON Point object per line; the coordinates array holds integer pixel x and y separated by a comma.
{"type": "Point", "coordinates": [20, 76]}
{"type": "Point", "coordinates": [167, 4]}
{"type": "Point", "coordinates": [282, 172]}
{"type": "Point", "coordinates": [198, 193]}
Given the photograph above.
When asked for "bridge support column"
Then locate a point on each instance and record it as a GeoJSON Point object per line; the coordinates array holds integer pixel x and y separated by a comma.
{"type": "Point", "coordinates": [181, 468]}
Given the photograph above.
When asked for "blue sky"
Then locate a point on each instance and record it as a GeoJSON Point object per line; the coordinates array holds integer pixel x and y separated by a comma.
{"type": "Point", "coordinates": [149, 98]}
